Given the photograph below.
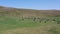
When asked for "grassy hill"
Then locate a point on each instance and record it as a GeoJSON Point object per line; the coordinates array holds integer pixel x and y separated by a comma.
{"type": "Point", "coordinates": [28, 12]}
{"type": "Point", "coordinates": [29, 21]}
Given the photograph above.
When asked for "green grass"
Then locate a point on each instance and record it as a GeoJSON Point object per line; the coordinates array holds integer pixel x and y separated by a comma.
{"type": "Point", "coordinates": [10, 23]}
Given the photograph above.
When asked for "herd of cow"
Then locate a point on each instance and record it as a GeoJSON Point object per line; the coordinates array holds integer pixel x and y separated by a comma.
{"type": "Point", "coordinates": [45, 19]}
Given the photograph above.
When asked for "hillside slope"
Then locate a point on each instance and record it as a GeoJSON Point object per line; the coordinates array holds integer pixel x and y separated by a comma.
{"type": "Point", "coordinates": [12, 21]}
{"type": "Point", "coordinates": [27, 12]}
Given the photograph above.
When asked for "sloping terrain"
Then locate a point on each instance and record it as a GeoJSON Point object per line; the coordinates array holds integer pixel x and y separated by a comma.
{"type": "Point", "coordinates": [28, 12]}
{"type": "Point", "coordinates": [29, 21]}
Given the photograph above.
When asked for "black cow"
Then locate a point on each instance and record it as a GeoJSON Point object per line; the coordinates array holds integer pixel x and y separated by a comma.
{"type": "Point", "coordinates": [58, 22]}
{"type": "Point", "coordinates": [34, 19]}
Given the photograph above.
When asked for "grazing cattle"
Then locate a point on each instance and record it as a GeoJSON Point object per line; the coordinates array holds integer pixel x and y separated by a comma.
{"type": "Point", "coordinates": [58, 22]}
{"type": "Point", "coordinates": [40, 21]}
{"type": "Point", "coordinates": [47, 19]}
{"type": "Point", "coordinates": [45, 22]}
{"type": "Point", "coordinates": [34, 19]}
{"type": "Point", "coordinates": [22, 18]}
{"type": "Point", "coordinates": [39, 18]}
{"type": "Point", "coordinates": [54, 20]}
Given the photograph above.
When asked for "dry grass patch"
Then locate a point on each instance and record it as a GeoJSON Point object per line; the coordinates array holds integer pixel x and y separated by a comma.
{"type": "Point", "coordinates": [35, 30]}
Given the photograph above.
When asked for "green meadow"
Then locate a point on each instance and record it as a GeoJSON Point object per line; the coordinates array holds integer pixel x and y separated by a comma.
{"type": "Point", "coordinates": [25, 21]}
{"type": "Point", "coordinates": [9, 24]}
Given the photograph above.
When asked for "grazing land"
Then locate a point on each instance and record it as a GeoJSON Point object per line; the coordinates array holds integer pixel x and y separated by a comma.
{"type": "Point", "coordinates": [29, 21]}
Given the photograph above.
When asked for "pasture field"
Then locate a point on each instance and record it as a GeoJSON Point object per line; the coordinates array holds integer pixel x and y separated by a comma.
{"type": "Point", "coordinates": [29, 21]}
{"type": "Point", "coordinates": [15, 25]}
